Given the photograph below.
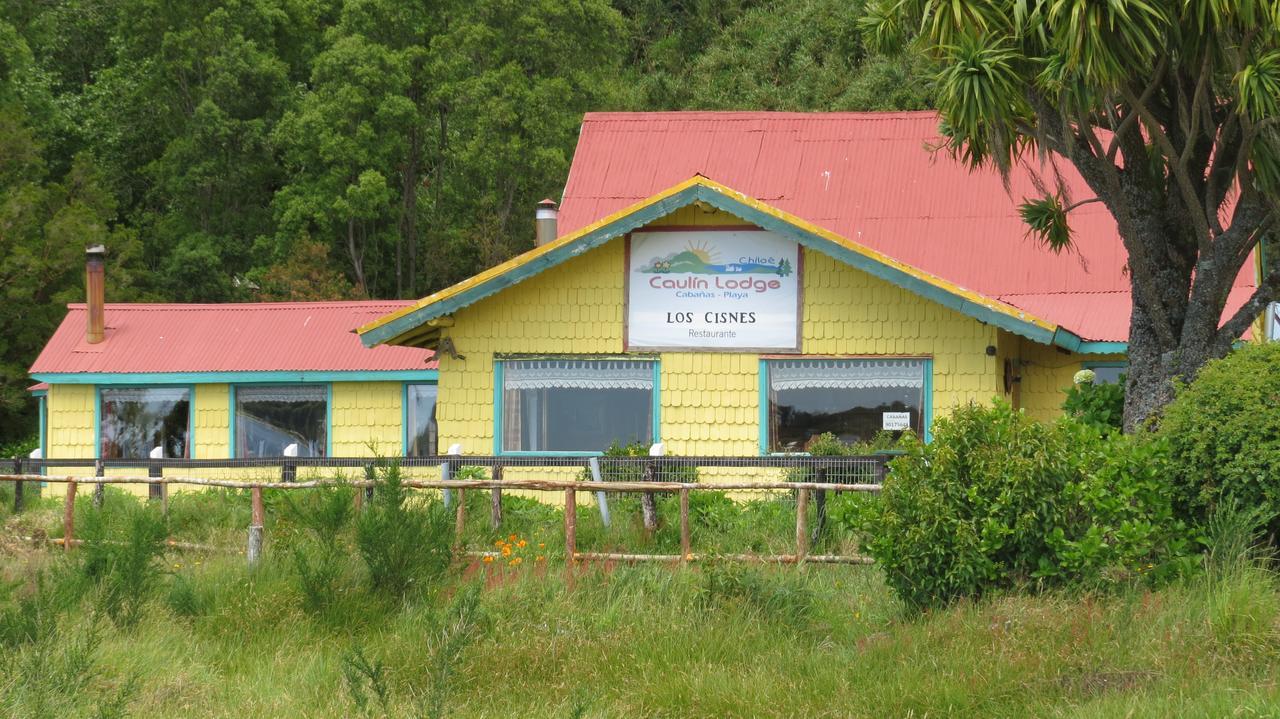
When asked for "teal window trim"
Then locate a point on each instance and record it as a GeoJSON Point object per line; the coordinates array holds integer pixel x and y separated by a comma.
{"type": "Point", "coordinates": [43, 419]}
{"type": "Point", "coordinates": [231, 412]}
{"type": "Point", "coordinates": [498, 412]}
{"type": "Point", "coordinates": [174, 378]}
{"type": "Point", "coordinates": [926, 401]}
{"type": "Point", "coordinates": [404, 419]}
{"type": "Point", "coordinates": [328, 419]}
{"type": "Point", "coordinates": [498, 409]}
{"type": "Point", "coordinates": [404, 414]}
{"type": "Point", "coordinates": [764, 407]}
{"type": "Point", "coordinates": [1096, 365]}
{"type": "Point", "coordinates": [97, 415]}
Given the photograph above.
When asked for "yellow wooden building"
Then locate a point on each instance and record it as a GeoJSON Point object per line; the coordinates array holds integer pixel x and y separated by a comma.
{"type": "Point", "coordinates": [632, 324]}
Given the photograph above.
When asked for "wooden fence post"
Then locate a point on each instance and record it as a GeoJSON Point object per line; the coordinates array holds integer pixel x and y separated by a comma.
{"type": "Point", "coordinates": [18, 487]}
{"type": "Point", "coordinates": [570, 527]}
{"type": "Point", "coordinates": [648, 503]}
{"type": "Point", "coordinates": [802, 518]}
{"type": "Point", "coordinates": [69, 516]}
{"type": "Point", "coordinates": [158, 490]}
{"type": "Point", "coordinates": [460, 520]}
{"type": "Point", "coordinates": [686, 542]}
{"type": "Point", "coordinates": [99, 489]}
{"type": "Point", "coordinates": [820, 508]}
{"type": "Point", "coordinates": [254, 551]}
{"type": "Point", "coordinates": [495, 499]}
{"type": "Point", "coordinates": [364, 496]}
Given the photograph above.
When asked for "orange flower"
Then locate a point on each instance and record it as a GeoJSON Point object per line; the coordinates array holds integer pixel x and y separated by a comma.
{"type": "Point", "coordinates": [522, 544]}
{"type": "Point", "coordinates": [506, 550]}
{"type": "Point", "coordinates": [512, 538]}
{"type": "Point", "coordinates": [488, 559]}
{"type": "Point", "coordinates": [540, 558]}
{"type": "Point", "coordinates": [542, 545]}
{"type": "Point", "coordinates": [497, 543]}
{"type": "Point", "coordinates": [516, 562]}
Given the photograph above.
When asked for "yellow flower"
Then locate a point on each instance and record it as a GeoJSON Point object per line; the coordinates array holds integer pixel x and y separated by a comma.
{"type": "Point", "coordinates": [516, 562]}
{"type": "Point", "coordinates": [488, 559]}
{"type": "Point", "coordinates": [522, 544]}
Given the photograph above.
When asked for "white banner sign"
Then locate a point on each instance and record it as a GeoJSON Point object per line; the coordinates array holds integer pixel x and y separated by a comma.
{"type": "Point", "coordinates": [713, 290]}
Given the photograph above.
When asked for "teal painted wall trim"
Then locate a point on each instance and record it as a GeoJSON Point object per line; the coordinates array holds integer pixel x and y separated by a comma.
{"type": "Point", "coordinates": [328, 420]}
{"type": "Point", "coordinates": [43, 429]}
{"type": "Point", "coordinates": [231, 420]}
{"type": "Point", "coordinates": [404, 419]}
{"type": "Point", "coordinates": [656, 412]}
{"type": "Point", "coordinates": [764, 407]}
{"type": "Point", "coordinates": [169, 378]}
{"type": "Point", "coordinates": [97, 423]}
{"type": "Point", "coordinates": [926, 420]}
{"type": "Point", "coordinates": [498, 412]}
{"type": "Point", "coordinates": [1072, 342]}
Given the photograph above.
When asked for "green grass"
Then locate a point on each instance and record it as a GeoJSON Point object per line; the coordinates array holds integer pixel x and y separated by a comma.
{"type": "Point", "coordinates": [219, 639]}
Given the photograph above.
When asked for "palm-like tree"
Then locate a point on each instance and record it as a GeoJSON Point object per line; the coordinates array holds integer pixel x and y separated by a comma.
{"type": "Point", "coordinates": [1167, 108]}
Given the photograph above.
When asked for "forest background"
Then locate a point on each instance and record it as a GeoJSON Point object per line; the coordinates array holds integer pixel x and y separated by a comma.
{"type": "Point", "coordinates": [257, 150]}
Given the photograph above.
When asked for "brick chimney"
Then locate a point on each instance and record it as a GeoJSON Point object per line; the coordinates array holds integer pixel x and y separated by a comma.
{"type": "Point", "coordinates": [95, 287]}
{"type": "Point", "coordinates": [545, 220]}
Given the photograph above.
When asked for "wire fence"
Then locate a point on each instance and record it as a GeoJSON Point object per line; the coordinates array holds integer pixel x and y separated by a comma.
{"type": "Point", "coordinates": [682, 509]}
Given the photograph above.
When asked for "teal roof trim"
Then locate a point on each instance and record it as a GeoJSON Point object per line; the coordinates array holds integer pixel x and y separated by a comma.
{"type": "Point", "coordinates": [569, 250]}
{"type": "Point", "coordinates": [1070, 341]}
{"type": "Point", "coordinates": [145, 378]}
{"type": "Point", "coordinates": [888, 273]}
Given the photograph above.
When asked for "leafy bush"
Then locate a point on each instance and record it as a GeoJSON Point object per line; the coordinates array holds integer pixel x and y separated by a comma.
{"type": "Point", "coordinates": [405, 541]}
{"type": "Point", "coordinates": [1000, 501]}
{"type": "Point", "coordinates": [1223, 431]}
{"type": "Point", "coordinates": [1097, 405]}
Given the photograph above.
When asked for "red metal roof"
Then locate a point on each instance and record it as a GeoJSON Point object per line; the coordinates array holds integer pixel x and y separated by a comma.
{"type": "Point", "coordinates": [256, 337]}
{"type": "Point", "coordinates": [871, 178]}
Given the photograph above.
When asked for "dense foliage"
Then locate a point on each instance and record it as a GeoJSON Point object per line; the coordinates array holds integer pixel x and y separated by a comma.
{"type": "Point", "coordinates": [1098, 404]}
{"type": "Point", "coordinates": [328, 149]}
{"type": "Point", "coordinates": [1223, 431]}
{"type": "Point", "coordinates": [1000, 501]}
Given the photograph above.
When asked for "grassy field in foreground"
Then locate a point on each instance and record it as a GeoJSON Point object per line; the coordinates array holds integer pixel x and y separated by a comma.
{"type": "Point", "coordinates": [217, 639]}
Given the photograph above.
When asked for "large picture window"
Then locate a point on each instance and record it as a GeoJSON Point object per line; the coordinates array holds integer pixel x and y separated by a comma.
{"type": "Point", "coordinates": [269, 419]}
{"type": "Point", "coordinates": [853, 399]}
{"type": "Point", "coordinates": [134, 421]}
{"type": "Point", "coordinates": [574, 405]}
{"type": "Point", "coordinates": [421, 420]}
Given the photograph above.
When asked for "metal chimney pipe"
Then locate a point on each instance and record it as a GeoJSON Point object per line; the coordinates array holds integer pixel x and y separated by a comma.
{"type": "Point", "coordinates": [95, 287]}
{"type": "Point", "coordinates": [546, 221]}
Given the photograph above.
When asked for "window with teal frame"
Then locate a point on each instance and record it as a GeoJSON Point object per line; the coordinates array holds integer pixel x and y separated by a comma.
{"type": "Point", "coordinates": [574, 405]}
{"type": "Point", "coordinates": [1107, 372]}
{"type": "Point", "coordinates": [853, 398]}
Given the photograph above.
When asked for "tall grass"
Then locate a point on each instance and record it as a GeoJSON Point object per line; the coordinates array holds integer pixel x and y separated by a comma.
{"type": "Point", "coordinates": [215, 638]}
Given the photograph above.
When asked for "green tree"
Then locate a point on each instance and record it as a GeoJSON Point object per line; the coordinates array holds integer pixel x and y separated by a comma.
{"type": "Point", "coordinates": [1168, 111]}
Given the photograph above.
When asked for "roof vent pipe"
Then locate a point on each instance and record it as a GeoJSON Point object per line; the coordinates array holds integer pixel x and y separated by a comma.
{"type": "Point", "coordinates": [546, 221]}
{"type": "Point", "coordinates": [95, 292]}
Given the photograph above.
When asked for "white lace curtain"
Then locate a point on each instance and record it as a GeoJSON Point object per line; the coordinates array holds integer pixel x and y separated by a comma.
{"type": "Point", "coordinates": [299, 393]}
{"type": "Point", "coordinates": [145, 394]}
{"type": "Point", "coordinates": [846, 374]}
{"type": "Point", "coordinates": [577, 374]}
